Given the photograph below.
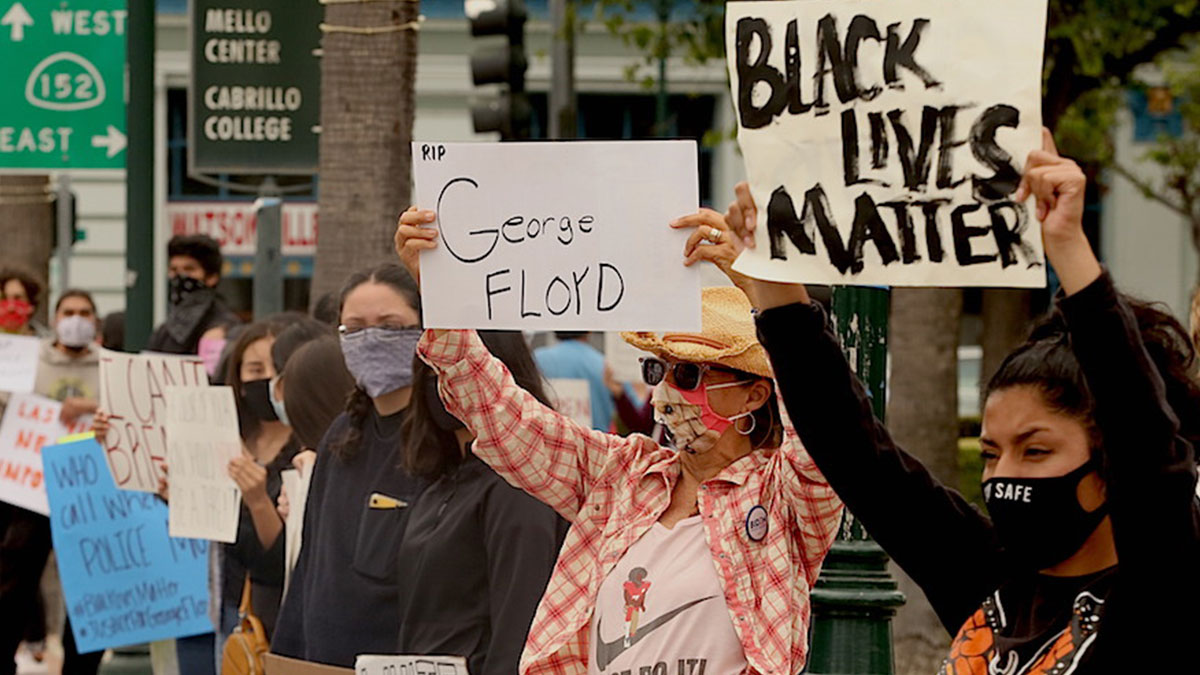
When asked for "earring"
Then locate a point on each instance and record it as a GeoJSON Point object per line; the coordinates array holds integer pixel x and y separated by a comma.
{"type": "Point", "coordinates": [753, 426]}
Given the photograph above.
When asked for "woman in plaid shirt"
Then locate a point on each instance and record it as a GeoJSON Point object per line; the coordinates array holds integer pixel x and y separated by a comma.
{"type": "Point", "coordinates": [725, 532]}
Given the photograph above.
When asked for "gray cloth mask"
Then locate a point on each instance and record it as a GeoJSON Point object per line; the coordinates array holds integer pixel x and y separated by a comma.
{"type": "Point", "coordinates": [381, 359]}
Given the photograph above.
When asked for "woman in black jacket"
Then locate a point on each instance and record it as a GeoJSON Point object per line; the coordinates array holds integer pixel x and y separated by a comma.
{"type": "Point", "coordinates": [1088, 562]}
{"type": "Point", "coordinates": [477, 552]}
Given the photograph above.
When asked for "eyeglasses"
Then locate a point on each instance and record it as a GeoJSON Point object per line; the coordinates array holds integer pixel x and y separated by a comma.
{"type": "Point", "coordinates": [688, 376]}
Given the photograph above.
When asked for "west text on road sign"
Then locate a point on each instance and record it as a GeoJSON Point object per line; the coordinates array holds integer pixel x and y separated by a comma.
{"type": "Point", "coordinates": [63, 84]}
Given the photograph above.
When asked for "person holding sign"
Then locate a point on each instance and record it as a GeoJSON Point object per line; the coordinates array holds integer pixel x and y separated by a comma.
{"type": "Point", "coordinates": [477, 552]}
{"type": "Point", "coordinates": [344, 591]}
{"type": "Point", "coordinates": [731, 525]}
{"type": "Point", "coordinates": [1089, 472]}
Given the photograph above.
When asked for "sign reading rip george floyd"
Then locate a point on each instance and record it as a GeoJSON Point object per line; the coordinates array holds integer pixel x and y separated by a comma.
{"type": "Point", "coordinates": [884, 140]}
{"type": "Point", "coordinates": [255, 98]}
{"type": "Point", "coordinates": [577, 239]}
{"type": "Point", "coordinates": [125, 581]}
{"type": "Point", "coordinates": [132, 393]}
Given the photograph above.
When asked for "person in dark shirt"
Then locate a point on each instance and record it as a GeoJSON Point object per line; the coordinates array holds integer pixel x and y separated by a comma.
{"type": "Point", "coordinates": [477, 552]}
{"type": "Point", "coordinates": [344, 593]}
{"type": "Point", "coordinates": [193, 271]}
{"type": "Point", "coordinates": [1088, 561]}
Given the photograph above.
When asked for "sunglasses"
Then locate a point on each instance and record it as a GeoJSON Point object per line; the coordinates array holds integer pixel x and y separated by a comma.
{"type": "Point", "coordinates": [688, 376]}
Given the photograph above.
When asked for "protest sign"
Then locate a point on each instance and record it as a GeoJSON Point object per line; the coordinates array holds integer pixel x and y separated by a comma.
{"type": "Point", "coordinates": [30, 423]}
{"type": "Point", "coordinates": [577, 239]}
{"type": "Point", "coordinates": [202, 439]}
{"type": "Point", "coordinates": [131, 392]}
{"type": "Point", "coordinates": [884, 140]}
{"type": "Point", "coordinates": [18, 362]}
{"type": "Point", "coordinates": [124, 580]}
{"type": "Point", "coordinates": [573, 398]}
{"type": "Point", "coordinates": [295, 484]}
{"type": "Point", "coordinates": [387, 664]}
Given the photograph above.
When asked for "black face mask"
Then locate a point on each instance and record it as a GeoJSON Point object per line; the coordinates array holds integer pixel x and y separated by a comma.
{"type": "Point", "coordinates": [437, 411]}
{"type": "Point", "coordinates": [181, 288]}
{"type": "Point", "coordinates": [256, 394]}
{"type": "Point", "coordinates": [1039, 520]}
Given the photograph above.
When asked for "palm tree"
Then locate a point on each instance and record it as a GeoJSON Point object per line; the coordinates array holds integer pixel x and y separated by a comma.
{"type": "Point", "coordinates": [27, 227]}
{"type": "Point", "coordinates": [368, 71]}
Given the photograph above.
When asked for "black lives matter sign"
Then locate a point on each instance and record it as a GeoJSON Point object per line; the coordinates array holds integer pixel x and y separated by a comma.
{"type": "Point", "coordinates": [254, 100]}
{"type": "Point", "coordinates": [884, 140]}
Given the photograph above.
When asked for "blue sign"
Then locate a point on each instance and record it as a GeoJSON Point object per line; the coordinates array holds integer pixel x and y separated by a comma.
{"type": "Point", "coordinates": [125, 581]}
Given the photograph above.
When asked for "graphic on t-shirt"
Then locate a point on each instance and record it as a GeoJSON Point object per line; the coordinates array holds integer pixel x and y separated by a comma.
{"type": "Point", "coordinates": [635, 601]}
{"type": "Point", "coordinates": [974, 652]}
{"type": "Point", "coordinates": [635, 590]}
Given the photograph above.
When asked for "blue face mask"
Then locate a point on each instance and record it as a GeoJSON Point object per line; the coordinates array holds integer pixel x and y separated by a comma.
{"type": "Point", "coordinates": [381, 359]}
{"type": "Point", "coordinates": [276, 402]}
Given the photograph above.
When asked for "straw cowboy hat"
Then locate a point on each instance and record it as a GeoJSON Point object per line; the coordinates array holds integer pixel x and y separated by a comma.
{"type": "Point", "coordinates": [729, 337]}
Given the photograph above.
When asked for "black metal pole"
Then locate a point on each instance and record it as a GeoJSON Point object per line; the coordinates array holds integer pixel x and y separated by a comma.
{"type": "Point", "coordinates": [139, 176]}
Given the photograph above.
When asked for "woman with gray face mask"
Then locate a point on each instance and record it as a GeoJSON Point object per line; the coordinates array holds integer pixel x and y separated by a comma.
{"type": "Point", "coordinates": [344, 592]}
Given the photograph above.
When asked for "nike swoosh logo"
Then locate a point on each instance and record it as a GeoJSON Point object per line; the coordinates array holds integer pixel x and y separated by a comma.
{"type": "Point", "coordinates": [607, 652]}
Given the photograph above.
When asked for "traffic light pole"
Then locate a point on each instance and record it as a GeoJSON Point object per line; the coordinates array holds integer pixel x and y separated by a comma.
{"type": "Point", "coordinates": [139, 177]}
{"type": "Point", "coordinates": [855, 598]}
{"type": "Point", "coordinates": [562, 71]}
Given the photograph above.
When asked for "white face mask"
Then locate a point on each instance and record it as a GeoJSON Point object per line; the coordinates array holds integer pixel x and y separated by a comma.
{"type": "Point", "coordinates": [75, 331]}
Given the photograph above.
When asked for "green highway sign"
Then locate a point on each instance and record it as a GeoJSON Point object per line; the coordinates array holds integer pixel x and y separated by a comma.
{"type": "Point", "coordinates": [62, 84]}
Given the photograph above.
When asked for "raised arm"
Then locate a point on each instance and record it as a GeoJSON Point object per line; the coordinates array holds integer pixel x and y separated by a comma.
{"type": "Point", "coordinates": [916, 519]}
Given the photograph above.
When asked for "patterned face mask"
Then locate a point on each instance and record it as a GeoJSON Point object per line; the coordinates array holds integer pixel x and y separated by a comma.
{"type": "Point", "coordinates": [693, 423]}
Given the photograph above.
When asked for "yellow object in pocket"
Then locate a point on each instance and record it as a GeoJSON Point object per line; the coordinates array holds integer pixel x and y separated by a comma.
{"type": "Point", "coordinates": [379, 500]}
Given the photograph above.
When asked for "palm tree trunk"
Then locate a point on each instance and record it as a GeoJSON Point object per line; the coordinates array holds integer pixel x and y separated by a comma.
{"type": "Point", "coordinates": [368, 71]}
{"type": "Point", "coordinates": [27, 228]}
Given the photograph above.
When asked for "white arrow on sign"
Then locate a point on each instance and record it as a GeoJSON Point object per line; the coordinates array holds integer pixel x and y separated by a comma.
{"type": "Point", "coordinates": [17, 19]}
{"type": "Point", "coordinates": [113, 140]}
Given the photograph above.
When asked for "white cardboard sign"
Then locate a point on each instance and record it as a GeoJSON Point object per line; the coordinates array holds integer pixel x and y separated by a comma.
{"type": "Point", "coordinates": [131, 392]}
{"type": "Point", "coordinates": [884, 140]}
{"type": "Point", "coordinates": [296, 484]}
{"type": "Point", "coordinates": [573, 398]}
{"type": "Point", "coordinates": [559, 236]}
{"type": "Point", "coordinates": [202, 438]}
{"type": "Point", "coordinates": [370, 664]}
{"type": "Point", "coordinates": [18, 362]}
{"type": "Point", "coordinates": [30, 423]}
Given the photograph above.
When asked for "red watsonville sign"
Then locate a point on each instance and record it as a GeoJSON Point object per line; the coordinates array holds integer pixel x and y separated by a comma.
{"type": "Point", "coordinates": [233, 225]}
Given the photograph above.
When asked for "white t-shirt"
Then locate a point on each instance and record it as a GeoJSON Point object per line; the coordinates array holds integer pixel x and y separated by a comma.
{"type": "Point", "coordinates": [661, 611]}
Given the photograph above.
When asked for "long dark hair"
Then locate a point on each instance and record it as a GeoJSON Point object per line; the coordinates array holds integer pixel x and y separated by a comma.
{"type": "Point", "coordinates": [1047, 363]}
{"type": "Point", "coordinates": [431, 451]}
{"type": "Point", "coordinates": [317, 384]}
{"type": "Point", "coordinates": [358, 406]}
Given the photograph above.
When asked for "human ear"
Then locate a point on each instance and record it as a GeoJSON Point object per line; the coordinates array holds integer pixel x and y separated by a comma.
{"type": "Point", "coordinates": [211, 280]}
{"type": "Point", "coordinates": [760, 392]}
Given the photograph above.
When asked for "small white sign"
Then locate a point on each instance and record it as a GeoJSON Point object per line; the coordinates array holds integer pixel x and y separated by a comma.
{"type": "Point", "coordinates": [18, 363]}
{"type": "Point", "coordinates": [559, 236]}
{"type": "Point", "coordinates": [369, 664]}
{"type": "Point", "coordinates": [202, 439]}
{"type": "Point", "coordinates": [573, 398]}
{"type": "Point", "coordinates": [295, 484]}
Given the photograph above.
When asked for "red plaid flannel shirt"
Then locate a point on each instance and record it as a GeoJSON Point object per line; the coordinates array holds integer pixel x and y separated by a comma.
{"type": "Point", "coordinates": [613, 489]}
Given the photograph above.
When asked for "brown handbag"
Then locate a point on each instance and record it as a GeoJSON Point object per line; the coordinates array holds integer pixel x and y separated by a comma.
{"type": "Point", "coordinates": [247, 647]}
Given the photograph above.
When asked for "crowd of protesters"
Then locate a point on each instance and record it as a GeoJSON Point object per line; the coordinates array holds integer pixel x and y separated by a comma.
{"type": "Point", "coordinates": [453, 511]}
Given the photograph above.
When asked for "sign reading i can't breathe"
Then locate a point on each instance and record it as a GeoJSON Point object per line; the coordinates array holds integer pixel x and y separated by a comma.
{"type": "Point", "coordinates": [62, 84]}
{"type": "Point", "coordinates": [255, 97]}
{"type": "Point", "coordinates": [884, 140]}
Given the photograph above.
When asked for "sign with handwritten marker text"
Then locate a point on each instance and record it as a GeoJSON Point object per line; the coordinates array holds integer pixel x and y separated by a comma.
{"type": "Point", "coordinates": [558, 236]}
{"type": "Point", "coordinates": [124, 580]}
{"type": "Point", "coordinates": [884, 140]}
{"type": "Point", "coordinates": [18, 362]}
{"type": "Point", "coordinates": [386, 664]}
{"type": "Point", "coordinates": [202, 439]}
{"type": "Point", "coordinates": [30, 423]}
{"type": "Point", "coordinates": [131, 392]}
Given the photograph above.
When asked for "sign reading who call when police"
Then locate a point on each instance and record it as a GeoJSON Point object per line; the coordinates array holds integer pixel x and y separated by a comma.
{"type": "Point", "coordinates": [63, 84]}
{"type": "Point", "coordinates": [254, 98]}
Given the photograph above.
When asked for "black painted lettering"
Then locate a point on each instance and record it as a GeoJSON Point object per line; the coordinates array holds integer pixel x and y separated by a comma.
{"type": "Point", "coordinates": [600, 306]}
{"type": "Point", "coordinates": [751, 73]}
{"type": "Point", "coordinates": [525, 314]}
{"type": "Point", "coordinates": [879, 140]}
{"type": "Point", "coordinates": [868, 226]}
{"type": "Point", "coordinates": [831, 61]}
{"type": "Point", "coordinates": [1010, 234]}
{"type": "Point", "coordinates": [578, 279]}
{"type": "Point", "coordinates": [793, 60]}
{"type": "Point", "coordinates": [964, 233]}
{"type": "Point", "coordinates": [487, 284]}
{"type": "Point", "coordinates": [906, 231]}
{"type": "Point", "coordinates": [861, 28]}
{"type": "Point", "coordinates": [916, 163]}
{"type": "Point", "coordinates": [933, 236]}
{"type": "Point", "coordinates": [947, 116]}
{"type": "Point", "coordinates": [494, 232]}
{"type": "Point", "coordinates": [1005, 179]}
{"type": "Point", "coordinates": [899, 54]}
{"type": "Point", "coordinates": [782, 221]}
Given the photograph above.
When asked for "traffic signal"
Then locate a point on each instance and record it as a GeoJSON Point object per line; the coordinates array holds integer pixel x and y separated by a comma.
{"type": "Point", "coordinates": [502, 63]}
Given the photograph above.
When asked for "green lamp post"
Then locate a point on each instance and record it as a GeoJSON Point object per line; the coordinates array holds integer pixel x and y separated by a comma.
{"type": "Point", "coordinates": [855, 598]}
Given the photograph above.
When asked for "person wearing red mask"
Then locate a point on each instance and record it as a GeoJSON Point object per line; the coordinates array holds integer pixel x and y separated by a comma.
{"type": "Point", "coordinates": [18, 302]}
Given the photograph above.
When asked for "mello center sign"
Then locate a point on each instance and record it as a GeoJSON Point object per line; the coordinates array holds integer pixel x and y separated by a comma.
{"type": "Point", "coordinates": [255, 98]}
{"type": "Point", "coordinates": [63, 84]}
